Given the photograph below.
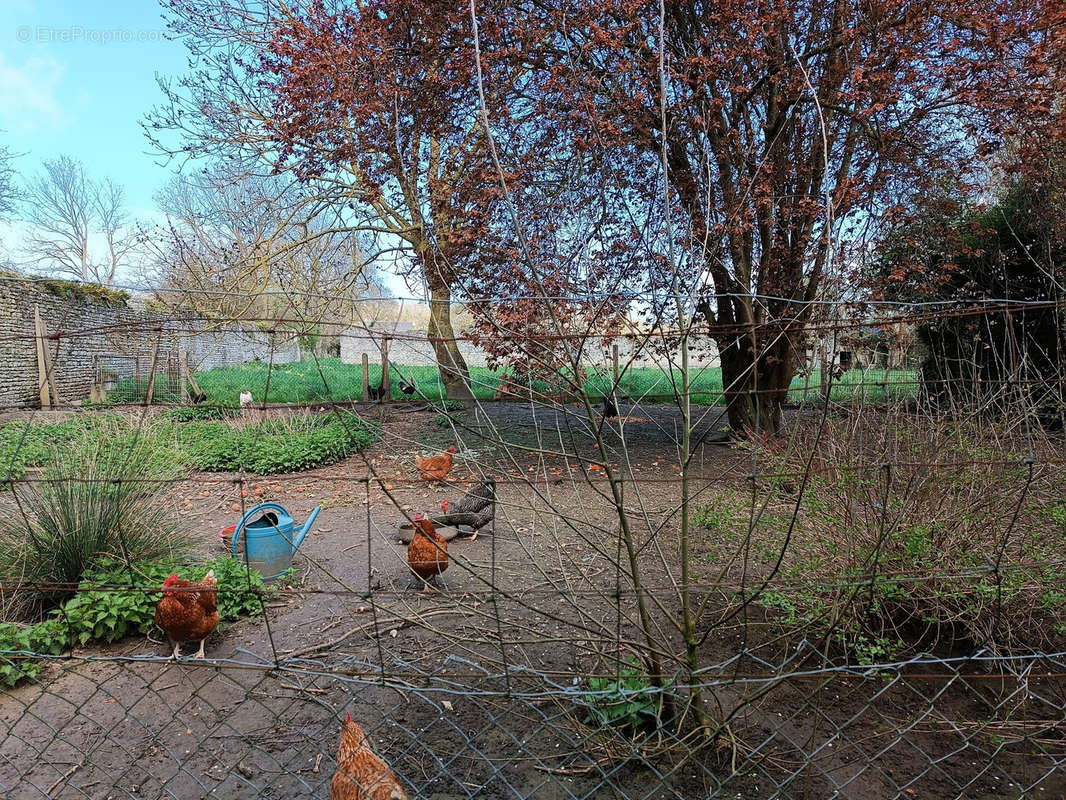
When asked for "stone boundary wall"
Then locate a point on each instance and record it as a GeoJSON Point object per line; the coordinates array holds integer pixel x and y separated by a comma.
{"type": "Point", "coordinates": [86, 329]}
{"type": "Point", "coordinates": [413, 349]}
{"type": "Point", "coordinates": [210, 347]}
{"type": "Point", "coordinates": [83, 327]}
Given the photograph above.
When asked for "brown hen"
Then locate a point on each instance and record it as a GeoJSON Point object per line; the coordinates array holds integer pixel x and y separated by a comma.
{"type": "Point", "coordinates": [187, 611]}
{"type": "Point", "coordinates": [427, 554]}
{"type": "Point", "coordinates": [435, 468]}
{"type": "Point", "coordinates": [361, 774]}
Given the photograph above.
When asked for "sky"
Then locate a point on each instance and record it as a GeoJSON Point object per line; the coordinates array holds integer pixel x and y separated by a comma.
{"type": "Point", "coordinates": [76, 78]}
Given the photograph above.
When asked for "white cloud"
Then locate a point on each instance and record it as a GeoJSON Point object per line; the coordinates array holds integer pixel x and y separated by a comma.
{"type": "Point", "coordinates": [28, 101]}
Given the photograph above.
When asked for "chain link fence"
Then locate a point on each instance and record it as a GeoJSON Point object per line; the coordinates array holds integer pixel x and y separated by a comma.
{"type": "Point", "coordinates": [102, 726]}
{"type": "Point", "coordinates": [869, 605]}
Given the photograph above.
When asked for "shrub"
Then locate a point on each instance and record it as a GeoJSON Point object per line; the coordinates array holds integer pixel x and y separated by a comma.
{"type": "Point", "coordinates": [195, 413]}
{"type": "Point", "coordinates": [100, 496]}
{"type": "Point", "coordinates": [1000, 360]}
{"type": "Point", "coordinates": [114, 601]}
{"type": "Point", "coordinates": [923, 552]}
{"type": "Point", "coordinates": [286, 445]}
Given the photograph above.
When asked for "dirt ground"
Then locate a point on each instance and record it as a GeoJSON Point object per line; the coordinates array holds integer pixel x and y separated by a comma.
{"type": "Point", "coordinates": [475, 690]}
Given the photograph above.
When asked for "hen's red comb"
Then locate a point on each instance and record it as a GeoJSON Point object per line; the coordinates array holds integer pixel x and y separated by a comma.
{"type": "Point", "coordinates": [348, 717]}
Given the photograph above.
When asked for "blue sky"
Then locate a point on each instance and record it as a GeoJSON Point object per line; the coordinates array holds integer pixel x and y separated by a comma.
{"type": "Point", "coordinates": [75, 79]}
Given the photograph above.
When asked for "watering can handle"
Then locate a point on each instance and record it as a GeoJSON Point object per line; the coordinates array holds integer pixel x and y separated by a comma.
{"type": "Point", "coordinates": [248, 515]}
{"type": "Point", "coordinates": [306, 528]}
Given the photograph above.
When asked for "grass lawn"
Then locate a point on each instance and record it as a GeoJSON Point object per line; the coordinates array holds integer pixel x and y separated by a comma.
{"type": "Point", "coordinates": [330, 379]}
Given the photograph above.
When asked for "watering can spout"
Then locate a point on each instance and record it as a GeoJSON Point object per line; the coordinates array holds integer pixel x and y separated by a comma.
{"type": "Point", "coordinates": [305, 528]}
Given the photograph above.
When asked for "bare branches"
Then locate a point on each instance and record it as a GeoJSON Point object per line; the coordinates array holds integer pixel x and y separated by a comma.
{"type": "Point", "coordinates": [258, 237]}
{"type": "Point", "coordinates": [78, 226]}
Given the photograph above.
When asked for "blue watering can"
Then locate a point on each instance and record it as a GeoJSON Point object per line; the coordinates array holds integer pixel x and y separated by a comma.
{"type": "Point", "coordinates": [270, 538]}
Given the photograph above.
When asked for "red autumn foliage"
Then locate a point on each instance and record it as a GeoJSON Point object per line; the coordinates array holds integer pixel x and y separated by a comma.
{"type": "Point", "coordinates": [784, 124]}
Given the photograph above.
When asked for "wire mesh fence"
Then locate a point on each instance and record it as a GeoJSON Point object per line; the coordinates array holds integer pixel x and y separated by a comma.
{"type": "Point", "coordinates": [636, 603]}
{"type": "Point", "coordinates": [249, 727]}
{"type": "Point", "coordinates": [124, 379]}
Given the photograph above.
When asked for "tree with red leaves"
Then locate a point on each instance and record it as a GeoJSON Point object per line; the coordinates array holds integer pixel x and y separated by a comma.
{"type": "Point", "coordinates": [386, 95]}
{"type": "Point", "coordinates": [380, 96]}
{"type": "Point", "coordinates": [779, 125]}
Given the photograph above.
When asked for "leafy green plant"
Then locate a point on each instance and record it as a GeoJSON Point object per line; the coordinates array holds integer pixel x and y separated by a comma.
{"type": "Point", "coordinates": [870, 650]}
{"type": "Point", "coordinates": [717, 515]}
{"type": "Point", "coordinates": [194, 413]}
{"type": "Point", "coordinates": [100, 496]}
{"type": "Point", "coordinates": [114, 601]}
{"type": "Point", "coordinates": [16, 663]}
{"type": "Point", "coordinates": [627, 701]}
{"type": "Point", "coordinates": [287, 445]}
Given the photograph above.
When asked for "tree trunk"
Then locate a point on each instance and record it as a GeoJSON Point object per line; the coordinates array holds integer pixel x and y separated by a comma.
{"type": "Point", "coordinates": [455, 375]}
{"type": "Point", "coordinates": [756, 384]}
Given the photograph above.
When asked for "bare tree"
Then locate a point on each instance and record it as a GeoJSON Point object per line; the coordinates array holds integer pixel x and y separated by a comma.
{"type": "Point", "coordinates": [78, 227]}
{"type": "Point", "coordinates": [8, 189]}
{"type": "Point", "coordinates": [240, 245]}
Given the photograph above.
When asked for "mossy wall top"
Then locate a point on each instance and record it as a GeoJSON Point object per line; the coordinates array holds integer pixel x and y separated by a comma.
{"type": "Point", "coordinates": [90, 320]}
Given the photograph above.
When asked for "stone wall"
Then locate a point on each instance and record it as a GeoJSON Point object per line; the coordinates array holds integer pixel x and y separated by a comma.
{"type": "Point", "coordinates": [83, 328]}
{"type": "Point", "coordinates": [412, 348]}
{"type": "Point", "coordinates": [212, 346]}
{"type": "Point", "coordinates": [90, 333]}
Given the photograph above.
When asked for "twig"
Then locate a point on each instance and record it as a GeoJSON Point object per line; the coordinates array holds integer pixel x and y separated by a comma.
{"type": "Point", "coordinates": [308, 689]}
{"type": "Point", "coordinates": [318, 648]}
{"type": "Point", "coordinates": [64, 776]}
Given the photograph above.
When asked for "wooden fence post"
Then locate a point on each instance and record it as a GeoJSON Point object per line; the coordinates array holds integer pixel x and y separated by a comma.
{"type": "Point", "coordinates": [366, 377]}
{"type": "Point", "coordinates": [614, 363]}
{"type": "Point", "coordinates": [183, 360]}
{"type": "Point", "coordinates": [151, 374]}
{"type": "Point", "coordinates": [386, 394]}
{"type": "Point", "coordinates": [42, 369]}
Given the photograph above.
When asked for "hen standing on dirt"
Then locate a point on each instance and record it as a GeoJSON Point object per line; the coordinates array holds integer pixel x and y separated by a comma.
{"type": "Point", "coordinates": [190, 613]}
{"type": "Point", "coordinates": [435, 468]}
{"type": "Point", "coordinates": [427, 554]}
{"type": "Point", "coordinates": [361, 774]}
{"type": "Point", "coordinates": [475, 510]}
{"type": "Point", "coordinates": [610, 407]}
